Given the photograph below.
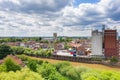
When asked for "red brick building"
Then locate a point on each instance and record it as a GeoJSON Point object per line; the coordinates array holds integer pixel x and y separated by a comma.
{"type": "Point", "coordinates": [110, 43]}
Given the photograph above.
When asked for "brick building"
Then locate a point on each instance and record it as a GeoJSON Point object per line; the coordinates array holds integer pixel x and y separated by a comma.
{"type": "Point", "coordinates": [110, 43]}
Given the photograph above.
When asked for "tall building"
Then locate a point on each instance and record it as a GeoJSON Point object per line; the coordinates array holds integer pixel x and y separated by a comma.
{"type": "Point", "coordinates": [54, 39]}
{"type": "Point", "coordinates": [110, 43]}
{"type": "Point", "coordinates": [97, 43]}
{"type": "Point", "coordinates": [55, 36]}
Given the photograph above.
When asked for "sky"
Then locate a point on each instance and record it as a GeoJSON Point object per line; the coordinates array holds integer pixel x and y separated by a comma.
{"type": "Point", "coordinates": [64, 17]}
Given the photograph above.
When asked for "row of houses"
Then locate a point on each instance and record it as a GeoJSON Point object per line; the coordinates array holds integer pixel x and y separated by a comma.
{"type": "Point", "coordinates": [36, 45]}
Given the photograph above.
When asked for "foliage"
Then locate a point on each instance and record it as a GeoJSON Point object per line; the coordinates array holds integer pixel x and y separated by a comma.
{"type": "Point", "coordinates": [24, 74]}
{"type": "Point", "coordinates": [114, 59]}
{"type": "Point", "coordinates": [11, 65]}
{"type": "Point", "coordinates": [28, 59]}
{"type": "Point", "coordinates": [14, 39]}
{"type": "Point", "coordinates": [18, 50]}
{"type": "Point", "coordinates": [2, 68]}
{"type": "Point", "coordinates": [61, 65]}
{"type": "Point", "coordinates": [49, 72]}
{"type": "Point", "coordinates": [32, 64]}
{"type": "Point", "coordinates": [4, 50]}
{"type": "Point", "coordinates": [40, 52]}
{"type": "Point", "coordinates": [23, 57]}
{"type": "Point", "coordinates": [100, 75]}
{"type": "Point", "coordinates": [67, 70]}
{"type": "Point", "coordinates": [58, 71]}
{"type": "Point", "coordinates": [29, 51]}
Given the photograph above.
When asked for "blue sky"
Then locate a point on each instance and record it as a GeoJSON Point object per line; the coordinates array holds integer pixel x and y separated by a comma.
{"type": "Point", "coordinates": [77, 2]}
{"type": "Point", "coordinates": [65, 17]}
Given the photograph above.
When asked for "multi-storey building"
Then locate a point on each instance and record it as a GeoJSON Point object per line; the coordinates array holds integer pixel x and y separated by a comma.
{"type": "Point", "coordinates": [110, 43]}
{"type": "Point", "coordinates": [97, 43]}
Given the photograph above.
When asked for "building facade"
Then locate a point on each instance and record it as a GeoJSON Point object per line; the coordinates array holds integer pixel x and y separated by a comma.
{"type": "Point", "coordinates": [97, 43]}
{"type": "Point", "coordinates": [110, 43]}
{"type": "Point", "coordinates": [55, 36]}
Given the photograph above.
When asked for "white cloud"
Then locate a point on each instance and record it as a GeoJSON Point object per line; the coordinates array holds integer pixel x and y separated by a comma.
{"type": "Point", "coordinates": [44, 17]}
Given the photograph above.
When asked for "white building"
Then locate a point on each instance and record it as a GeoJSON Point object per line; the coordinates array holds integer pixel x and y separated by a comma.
{"type": "Point", "coordinates": [97, 43]}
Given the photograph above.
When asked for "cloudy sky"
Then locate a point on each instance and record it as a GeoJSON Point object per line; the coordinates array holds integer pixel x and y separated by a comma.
{"type": "Point", "coordinates": [65, 17]}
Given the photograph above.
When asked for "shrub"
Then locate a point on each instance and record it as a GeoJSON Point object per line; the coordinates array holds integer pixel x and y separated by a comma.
{"type": "Point", "coordinates": [46, 69]}
{"type": "Point", "coordinates": [11, 65]}
{"type": "Point", "coordinates": [22, 57]}
{"type": "Point", "coordinates": [67, 70]}
{"type": "Point", "coordinates": [32, 64]}
{"type": "Point", "coordinates": [61, 65]}
{"type": "Point", "coordinates": [114, 59]}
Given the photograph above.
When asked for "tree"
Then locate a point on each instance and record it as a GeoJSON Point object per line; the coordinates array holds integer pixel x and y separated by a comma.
{"type": "Point", "coordinates": [49, 72]}
{"type": "Point", "coordinates": [18, 50]}
{"type": "Point", "coordinates": [4, 50]}
{"type": "Point", "coordinates": [32, 64]}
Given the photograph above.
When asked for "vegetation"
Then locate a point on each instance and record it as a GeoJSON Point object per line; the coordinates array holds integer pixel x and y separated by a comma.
{"type": "Point", "coordinates": [9, 65]}
{"type": "Point", "coordinates": [40, 52]}
{"type": "Point", "coordinates": [24, 74]}
{"type": "Point", "coordinates": [13, 39]}
{"type": "Point", "coordinates": [114, 59]}
{"type": "Point", "coordinates": [42, 70]}
{"type": "Point", "coordinates": [4, 50]}
{"type": "Point", "coordinates": [18, 50]}
{"type": "Point", "coordinates": [49, 72]}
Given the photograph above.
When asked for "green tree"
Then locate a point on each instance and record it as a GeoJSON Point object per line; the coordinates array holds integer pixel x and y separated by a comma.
{"type": "Point", "coordinates": [32, 64]}
{"type": "Point", "coordinates": [18, 50]}
{"type": "Point", "coordinates": [5, 50]}
{"type": "Point", "coordinates": [49, 72]}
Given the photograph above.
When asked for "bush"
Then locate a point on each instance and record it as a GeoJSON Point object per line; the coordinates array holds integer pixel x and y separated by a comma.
{"type": "Point", "coordinates": [29, 51]}
{"type": "Point", "coordinates": [11, 65]}
{"type": "Point", "coordinates": [67, 70]}
{"type": "Point", "coordinates": [46, 69]}
{"type": "Point", "coordinates": [61, 65]}
{"type": "Point", "coordinates": [114, 59]}
{"type": "Point", "coordinates": [22, 57]}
